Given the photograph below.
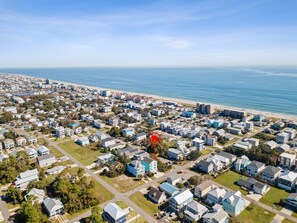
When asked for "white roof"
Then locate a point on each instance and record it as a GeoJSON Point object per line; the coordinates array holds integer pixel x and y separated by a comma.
{"type": "Point", "coordinates": [288, 156]}
{"type": "Point", "coordinates": [28, 173]}
{"type": "Point", "coordinates": [289, 176]}
{"type": "Point", "coordinates": [114, 211]}
{"type": "Point", "coordinates": [182, 196]}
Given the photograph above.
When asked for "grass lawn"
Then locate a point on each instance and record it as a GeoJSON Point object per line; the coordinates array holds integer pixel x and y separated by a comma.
{"type": "Point", "coordinates": [273, 197]}
{"type": "Point", "coordinates": [229, 179]}
{"type": "Point", "coordinates": [255, 213]}
{"type": "Point", "coordinates": [141, 201]}
{"type": "Point", "coordinates": [106, 194]}
{"type": "Point", "coordinates": [287, 221]}
{"type": "Point", "coordinates": [139, 219]}
{"type": "Point", "coordinates": [42, 141]}
{"type": "Point", "coordinates": [86, 155]}
{"type": "Point", "coordinates": [123, 183]}
{"type": "Point", "coordinates": [54, 151]}
{"type": "Point", "coordinates": [206, 151]}
{"type": "Point", "coordinates": [294, 214]}
{"type": "Point", "coordinates": [131, 213]}
{"type": "Point", "coordinates": [121, 204]}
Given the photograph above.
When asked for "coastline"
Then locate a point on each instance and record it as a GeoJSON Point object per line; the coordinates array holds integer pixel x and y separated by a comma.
{"type": "Point", "coordinates": [177, 100]}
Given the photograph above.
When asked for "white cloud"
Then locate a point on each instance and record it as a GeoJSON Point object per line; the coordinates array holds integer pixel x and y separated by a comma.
{"type": "Point", "coordinates": [175, 43]}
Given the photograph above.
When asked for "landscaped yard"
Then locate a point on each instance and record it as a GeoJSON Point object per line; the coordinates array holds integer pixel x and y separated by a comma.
{"type": "Point", "coordinates": [86, 155]}
{"type": "Point", "coordinates": [229, 180]}
{"type": "Point", "coordinates": [123, 183]}
{"type": "Point", "coordinates": [54, 151]}
{"type": "Point", "coordinates": [141, 201]}
{"type": "Point", "coordinates": [287, 221]}
{"type": "Point", "coordinates": [255, 213]}
{"type": "Point", "coordinates": [294, 214]}
{"type": "Point", "coordinates": [273, 197]}
{"type": "Point", "coordinates": [206, 151]}
{"type": "Point", "coordinates": [106, 195]}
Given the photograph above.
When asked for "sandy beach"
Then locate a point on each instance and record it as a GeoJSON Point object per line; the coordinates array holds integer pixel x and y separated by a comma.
{"type": "Point", "coordinates": [182, 101]}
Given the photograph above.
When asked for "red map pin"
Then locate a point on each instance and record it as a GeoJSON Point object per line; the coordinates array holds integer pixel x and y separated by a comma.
{"type": "Point", "coordinates": [154, 139]}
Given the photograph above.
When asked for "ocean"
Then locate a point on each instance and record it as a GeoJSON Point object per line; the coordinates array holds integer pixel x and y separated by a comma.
{"type": "Point", "coordinates": [263, 89]}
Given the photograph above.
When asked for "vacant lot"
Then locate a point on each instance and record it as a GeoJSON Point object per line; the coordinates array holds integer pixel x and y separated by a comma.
{"type": "Point", "coordinates": [255, 214]}
{"type": "Point", "coordinates": [229, 180]}
{"type": "Point", "coordinates": [86, 155]}
{"type": "Point", "coordinates": [123, 183]}
{"type": "Point", "coordinates": [273, 197]}
{"type": "Point", "coordinates": [141, 201]}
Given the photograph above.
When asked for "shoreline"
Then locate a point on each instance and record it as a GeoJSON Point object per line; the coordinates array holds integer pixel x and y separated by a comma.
{"type": "Point", "coordinates": [183, 101]}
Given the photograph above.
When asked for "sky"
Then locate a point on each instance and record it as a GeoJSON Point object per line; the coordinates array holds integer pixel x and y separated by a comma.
{"type": "Point", "coordinates": [147, 33]}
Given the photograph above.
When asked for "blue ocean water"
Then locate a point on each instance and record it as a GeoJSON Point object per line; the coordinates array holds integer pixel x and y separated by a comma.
{"type": "Point", "coordinates": [265, 89]}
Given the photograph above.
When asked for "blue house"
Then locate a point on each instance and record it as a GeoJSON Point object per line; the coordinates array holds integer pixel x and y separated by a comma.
{"type": "Point", "coordinates": [168, 188]}
{"type": "Point", "coordinates": [233, 203]}
{"type": "Point", "coordinates": [128, 131]}
{"type": "Point", "coordinates": [215, 123]}
{"type": "Point", "coordinates": [150, 164]}
{"type": "Point", "coordinates": [136, 168]}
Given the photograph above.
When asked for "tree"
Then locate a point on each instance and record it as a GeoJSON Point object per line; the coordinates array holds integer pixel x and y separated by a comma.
{"type": "Point", "coordinates": [95, 217]}
{"type": "Point", "coordinates": [30, 214]}
{"type": "Point", "coordinates": [194, 180]}
{"type": "Point", "coordinates": [6, 117]}
{"type": "Point", "coordinates": [115, 131]}
{"type": "Point", "coordinates": [194, 155]}
{"type": "Point", "coordinates": [14, 195]}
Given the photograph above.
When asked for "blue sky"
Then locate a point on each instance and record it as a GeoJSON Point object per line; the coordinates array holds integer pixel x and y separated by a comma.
{"type": "Point", "coordinates": [164, 33]}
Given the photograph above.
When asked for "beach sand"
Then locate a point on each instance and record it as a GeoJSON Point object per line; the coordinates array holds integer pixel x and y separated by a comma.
{"type": "Point", "coordinates": [181, 101]}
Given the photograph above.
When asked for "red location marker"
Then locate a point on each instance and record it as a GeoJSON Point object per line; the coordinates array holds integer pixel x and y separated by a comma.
{"type": "Point", "coordinates": [154, 139]}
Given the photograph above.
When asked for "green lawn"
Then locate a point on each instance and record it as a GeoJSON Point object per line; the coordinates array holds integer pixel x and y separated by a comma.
{"type": "Point", "coordinates": [139, 219]}
{"type": "Point", "coordinates": [123, 183]}
{"type": "Point", "coordinates": [206, 151]}
{"type": "Point", "coordinates": [294, 214]}
{"type": "Point", "coordinates": [141, 201]}
{"type": "Point", "coordinates": [229, 179]}
{"type": "Point", "coordinates": [56, 152]}
{"type": "Point", "coordinates": [255, 213]}
{"type": "Point", "coordinates": [86, 155]}
{"type": "Point", "coordinates": [287, 221]}
{"type": "Point", "coordinates": [105, 194]}
{"type": "Point", "coordinates": [122, 204]}
{"type": "Point", "coordinates": [273, 197]}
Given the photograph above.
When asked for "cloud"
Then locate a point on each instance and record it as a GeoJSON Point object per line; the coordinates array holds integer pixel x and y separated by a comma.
{"type": "Point", "coordinates": [175, 43]}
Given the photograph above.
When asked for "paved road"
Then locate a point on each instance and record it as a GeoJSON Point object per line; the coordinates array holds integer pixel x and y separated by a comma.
{"type": "Point", "coordinates": [118, 195]}
{"type": "Point", "coordinates": [4, 209]}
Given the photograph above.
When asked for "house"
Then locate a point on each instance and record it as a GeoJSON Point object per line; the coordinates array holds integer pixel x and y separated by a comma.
{"type": "Point", "coordinates": [140, 155]}
{"type": "Point", "coordinates": [216, 215]}
{"type": "Point", "coordinates": [32, 139]}
{"type": "Point", "coordinates": [291, 132]}
{"type": "Point", "coordinates": [283, 148]}
{"type": "Point", "coordinates": [20, 141]}
{"type": "Point", "coordinates": [156, 195]}
{"type": "Point", "coordinates": [174, 179]}
{"type": "Point", "coordinates": [98, 124]}
{"type": "Point", "coordinates": [32, 153]}
{"type": "Point", "coordinates": [291, 200]}
{"type": "Point", "coordinates": [202, 189]}
{"type": "Point", "coordinates": [205, 167]}
{"type": "Point", "coordinates": [168, 188]}
{"type": "Point", "coordinates": [136, 168]}
{"type": "Point", "coordinates": [253, 185]}
{"type": "Point", "coordinates": [37, 194]}
{"type": "Point", "coordinates": [175, 154]}
{"type": "Point", "coordinates": [108, 142]}
{"type": "Point", "coordinates": [8, 143]}
{"type": "Point", "coordinates": [287, 180]}
{"type": "Point", "coordinates": [194, 211]}
{"type": "Point", "coordinates": [219, 133]}
{"type": "Point", "coordinates": [229, 156]}
{"type": "Point", "coordinates": [102, 135]}
{"type": "Point", "coordinates": [270, 174]}
{"type": "Point", "coordinates": [254, 168]}
{"type": "Point", "coordinates": [217, 164]}
{"type": "Point", "coordinates": [254, 142]}
{"type": "Point", "coordinates": [150, 164]}
{"type": "Point", "coordinates": [241, 163]}
{"type": "Point", "coordinates": [215, 196]}
{"type": "Point", "coordinates": [114, 214]}
{"type": "Point", "coordinates": [105, 158]}
{"type": "Point", "coordinates": [113, 121]}
{"type": "Point", "coordinates": [128, 132]}
{"type": "Point", "coordinates": [140, 136]}
{"type": "Point", "coordinates": [83, 141]}
{"type": "Point", "coordinates": [128, 151]}
{"type": "Point", "coordinates": [282, 138]}
{"type": "Point", "coordinates": [178, 202]}
{"type": "Point", "coordinates": [198, 143]}
{"type": "Point", "coordinates": [53, 206]}
{"type": "Point", "coordinates": [25, 178]}
{"type": "Point", "coordinates": [93, 138]}
{"type": "Point", "coordinates": [287, 160]}
{"type": "Point", "coordinates": [42, 150]}
{"type": "Point", "coordinates": [55, 170]}
{"type": "Point", "coordinates": [271, 144]}
{"type": "Point", "coordinates": [46, 160]}
{"type": "Point", "coordinates": [233, 203]}
{"type": "Point", "coordinates": [69, 132]}
{"type": "Point", "coordinates": [211, 140]}
{"type": "Point", "coordinates": [60, 132]}
{"type": "Point", "coordinates": [243, 145]}
{"type": "Point", "coordinates": [234, 131]}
